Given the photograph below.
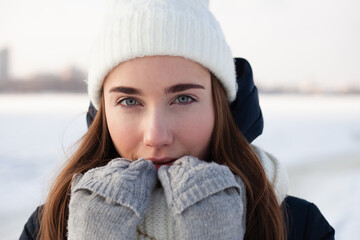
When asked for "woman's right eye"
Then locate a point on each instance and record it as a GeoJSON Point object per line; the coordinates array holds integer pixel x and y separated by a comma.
{"type": "Point", "coordinates": [128, 102]}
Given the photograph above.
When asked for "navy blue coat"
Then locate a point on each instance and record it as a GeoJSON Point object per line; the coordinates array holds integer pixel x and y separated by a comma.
{"type": "Point", "coordinates": [303, 219]}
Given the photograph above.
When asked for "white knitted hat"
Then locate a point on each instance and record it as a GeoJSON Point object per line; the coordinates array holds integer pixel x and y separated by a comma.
{"type": "Point", "coordinates": [138, 28]}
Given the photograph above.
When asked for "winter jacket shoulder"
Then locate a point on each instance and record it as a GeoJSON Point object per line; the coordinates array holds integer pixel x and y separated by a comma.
{"type": "Point", "coordinates": [31, 228]}
{"type": "Point", "coordinates": [305, 221]}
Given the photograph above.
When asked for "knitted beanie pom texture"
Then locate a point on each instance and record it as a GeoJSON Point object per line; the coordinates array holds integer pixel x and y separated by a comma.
{"type": "Point", "coordinates": [138, 28]}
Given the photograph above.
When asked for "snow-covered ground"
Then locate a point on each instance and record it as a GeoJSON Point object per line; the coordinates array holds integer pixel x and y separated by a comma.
{"type": "Point", "coordinates": [317, 138]}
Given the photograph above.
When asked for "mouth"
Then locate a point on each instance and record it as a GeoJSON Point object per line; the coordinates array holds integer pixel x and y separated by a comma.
{"type": "Point", "coordinates": [158, 162]}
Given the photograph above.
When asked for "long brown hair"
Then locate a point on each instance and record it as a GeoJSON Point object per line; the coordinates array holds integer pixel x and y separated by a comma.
{"type": "Point", "coordinates": [95, 149]}
{"type": "Point", "coordinates": [264, 219]}
{"type": "Point", "coordinates": [263, 216]}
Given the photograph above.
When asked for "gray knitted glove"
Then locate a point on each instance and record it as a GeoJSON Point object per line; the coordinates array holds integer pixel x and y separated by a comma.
{"type": "Point", "coordinates": [206, 200]}
{"type": "Point", "coordinates": [109, 202]}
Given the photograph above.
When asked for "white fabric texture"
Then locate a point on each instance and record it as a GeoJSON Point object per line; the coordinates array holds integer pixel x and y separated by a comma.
{"type": "Point", "coordinates": [158, 222]}
{"type": "Point", "coordinates": [275, 173]}
{"type": "Point", "coordinates": [141, 28]}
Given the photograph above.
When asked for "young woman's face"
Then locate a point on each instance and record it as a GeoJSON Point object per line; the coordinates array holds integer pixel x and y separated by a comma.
{"type": "Point", "coordinates": [159, 108]}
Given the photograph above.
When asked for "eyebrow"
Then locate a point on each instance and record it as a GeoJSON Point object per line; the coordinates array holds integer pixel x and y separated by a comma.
{"type": "Point", "coordinates": [182, 87]}
{"type": "Point", "coordinates": [126, 90]}
{"type": "Point", "coordinates": [173, 89]}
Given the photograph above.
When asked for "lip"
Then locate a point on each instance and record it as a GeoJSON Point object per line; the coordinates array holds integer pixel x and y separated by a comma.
{"type": "Point", "coordinates": [158, 162]}
{"type": "Point", "coordinates": [161, 160]}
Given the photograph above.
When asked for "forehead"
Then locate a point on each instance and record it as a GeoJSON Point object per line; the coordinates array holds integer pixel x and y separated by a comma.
{"type": "Point", "coordinates": [158, 70]}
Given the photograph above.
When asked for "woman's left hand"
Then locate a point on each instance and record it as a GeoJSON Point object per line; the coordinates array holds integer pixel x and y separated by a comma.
{"type": "Point", "coordinates": [205, 198]}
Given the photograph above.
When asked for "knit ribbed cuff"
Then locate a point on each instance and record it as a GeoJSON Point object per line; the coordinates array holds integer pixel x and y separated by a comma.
{"type": "Point", "coordinates": [190, 180]}
{"type": "Point", "coordinates": [123, 182]}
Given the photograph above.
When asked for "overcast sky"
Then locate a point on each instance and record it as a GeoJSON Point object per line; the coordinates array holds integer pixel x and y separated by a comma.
{"type": "Point", "coordinates": [288, 42]}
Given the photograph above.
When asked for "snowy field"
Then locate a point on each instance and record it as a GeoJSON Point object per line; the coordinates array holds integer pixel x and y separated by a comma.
{"type": "Point", "coordinates": [317, 138]}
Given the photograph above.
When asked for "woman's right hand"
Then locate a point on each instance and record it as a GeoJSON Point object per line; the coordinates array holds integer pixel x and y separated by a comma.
{"type": "Point", "coordinates": [109, 202]}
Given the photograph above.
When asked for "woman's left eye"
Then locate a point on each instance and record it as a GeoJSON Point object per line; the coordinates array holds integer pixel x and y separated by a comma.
{"type": "Point", "coordinates": [184, 99]}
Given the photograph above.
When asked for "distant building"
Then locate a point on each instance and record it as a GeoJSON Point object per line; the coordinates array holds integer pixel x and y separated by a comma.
{"type": "Point", "coordinates": [4, 64]}
{"type": "Point", "coordinates": [72, 73]}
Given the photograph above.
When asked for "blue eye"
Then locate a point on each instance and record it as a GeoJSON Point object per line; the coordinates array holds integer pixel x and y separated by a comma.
{"type": "Point", "coordinates": [128, 102]}
{"type": "Point", "coordinates": [184, 99]}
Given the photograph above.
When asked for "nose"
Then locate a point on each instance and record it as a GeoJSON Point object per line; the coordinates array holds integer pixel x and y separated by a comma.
{"type": "Point", "coordinates": [157, 130]}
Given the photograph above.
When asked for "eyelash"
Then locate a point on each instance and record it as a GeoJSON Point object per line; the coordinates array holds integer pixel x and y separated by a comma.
{"type": "Point", "coordinates": [189, 98]}
{"type": "Point", "coordinates": [120, 102]}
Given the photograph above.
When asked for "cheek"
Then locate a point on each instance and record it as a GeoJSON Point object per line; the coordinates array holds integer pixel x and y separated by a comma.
{"type": "Point", "coordinates": [196, 134]}
{"type": "Point", "coordinates": [123, 134]}
{"type": "Point", "coordinates": [200, 130]}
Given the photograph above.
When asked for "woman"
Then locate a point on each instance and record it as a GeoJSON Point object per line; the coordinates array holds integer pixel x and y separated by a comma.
{"type": "Point", "coordinates": [163, 157]}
